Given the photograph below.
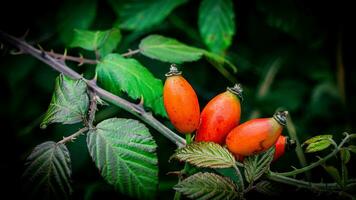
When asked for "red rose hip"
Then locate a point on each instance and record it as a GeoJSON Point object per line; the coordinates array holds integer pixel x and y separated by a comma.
{"type": "Point", "coordinates": [181, 102]}
{"type": "Point", "coordinates": [256, 135]}
{"type": "Point", "coordinates": [220, 116]}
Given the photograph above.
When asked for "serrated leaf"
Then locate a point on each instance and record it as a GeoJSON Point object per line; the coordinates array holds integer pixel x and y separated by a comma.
{"type": "Point", "coordinates": [48, 172]}
{"type": "Point", "coordinates": [138, 15]}
{"type": "Point", "coordinates": [103, 41]}
{"type": "Point", "coordinates": [257, 165]}
{"type": "Point", "coordinates": [207, 186]}
{"type": "Point", "coordinates": [170, 50]}
{"type": "Point", "coordinates": [268, 188]}
{"type": "Point", "coordinates": [318, 146]}
{"type": "Point", "coordinates": [117, 74]}
{"type": "Point", "coordinates": [69, 102]}
{"type": "Point", "coordinates": [217, 24]}
{"type": "Point", "coordinates": [352, 148]}
{"type": "Point", "coordinates": [71, 16]}
{"type": "Point", "coordinates": [317, 139]}
{"type": "Point", "coordinates": [205, 154]}
{"type": "Point", "coordinates": [334, 173]}
{"type": "Point", "coordinates": [124, 152]}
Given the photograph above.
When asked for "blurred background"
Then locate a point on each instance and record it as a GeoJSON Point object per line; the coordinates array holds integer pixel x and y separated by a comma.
{"type": "Point", "coordinates": [295, 55]}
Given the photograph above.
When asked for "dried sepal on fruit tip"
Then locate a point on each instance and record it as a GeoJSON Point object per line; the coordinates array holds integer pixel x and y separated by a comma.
{"type": "Point", "coordinates": [173, 71]}
{"type": "Point", "coordinates": [281, 117]}
{"type": "Point", "coordinates": [237, 90]}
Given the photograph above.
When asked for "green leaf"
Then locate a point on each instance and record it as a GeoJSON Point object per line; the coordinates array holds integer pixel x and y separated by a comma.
{"type": "Point", "coordinates": [268, 188]}
{"type": "Point", "coordinates": [217, 24]}
{"type": "Point", "coordinates": [117, 74]}
{"type": "Point", "coordinates": [48, 172]}
{"type": "Point", "coordinates": [345, 155]}
{"type": "Point", "coordinates": [168, 50]}
{"type": "Point", "coordinates": [334, 173]}
{"type": "Point", "coordinates": [318, 146]}
{"type": "Point", "coordinates": [352, 148]}
{"type": "Point", "coordinates": [317, 139]}
{"type": "Point", "coordinates": [207, 186]}
{"type": "Point", "coordinates": [257, 165]}
{"type": "Point", "coordinates": [205, 154]}
{"type": "Point", "coordinates": [138, 15]}
{"type": "Point", "coordinates": [75, 16]}
{"type": "Point", "coordinates": [103, 41]}
{"type": "Point", "coordinates": [69, 102]}
{"type": "Point", "coordinates": [124, 152]}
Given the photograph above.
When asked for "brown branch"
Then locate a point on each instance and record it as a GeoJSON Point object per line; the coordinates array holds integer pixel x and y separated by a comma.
{"type": "Point", "coordinates": [81, 60]}
{"type": "Point", "coordinates": [105, 95]}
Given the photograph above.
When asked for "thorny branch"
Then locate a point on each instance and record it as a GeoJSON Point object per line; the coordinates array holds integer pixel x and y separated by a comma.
{"type": "Point", "coordinates": [132, 108]}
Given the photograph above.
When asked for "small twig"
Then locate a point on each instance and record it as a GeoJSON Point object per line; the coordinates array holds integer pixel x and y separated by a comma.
{"type": "Point", "coordinates": [131, 52]}
{"type": "Point", "coordinates": [320, 161]}
{"type": "Point", "coordinates": [72, 137]}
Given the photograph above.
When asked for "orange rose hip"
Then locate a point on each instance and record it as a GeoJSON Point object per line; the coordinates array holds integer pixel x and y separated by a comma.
{"type": "Point", "coordinates": [181, 102]}
{"type": "Point", "coordinates": [256, 135]}
{"type": "Point", "coordinates": [220, 116]}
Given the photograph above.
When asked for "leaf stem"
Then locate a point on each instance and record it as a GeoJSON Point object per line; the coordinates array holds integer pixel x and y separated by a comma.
{"type": "Point", "coordinates": [134, 109]}
{"type": "Point", "coordinates": [131, 52]}
{"type": "Point", "coordinates": [72, 137]}
{"type": "Point", "coordinates": [320, 161]}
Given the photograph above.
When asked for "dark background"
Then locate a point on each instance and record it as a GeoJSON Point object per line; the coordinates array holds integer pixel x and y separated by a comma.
{"type": "Point", "coordinates": [303, 35]}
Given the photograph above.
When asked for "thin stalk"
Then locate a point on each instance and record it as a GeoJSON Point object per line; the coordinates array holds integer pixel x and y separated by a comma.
{"type": "Point", "coordinates": [300, 154]}
{"type": "Point", "coordinates": [73, 136]}
{"type": "Point", "coordinates": [188, 140]}
{"type": "Point", "coordinates": [320, 161]}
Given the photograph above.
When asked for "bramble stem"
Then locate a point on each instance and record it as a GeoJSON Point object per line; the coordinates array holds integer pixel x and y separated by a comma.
{"type": "Point", "coordinates": [73, 136]}
{"type": "Point", "coordinates": [308, 185]}
{"type": "Point", "coordinates": [79, 59]}
{"type": "Point", "coordinates": [320, 161]}
{"type": "Point", "coordinates": [132, 108]}
{"type": "Point", "coordinates": [188, 140]}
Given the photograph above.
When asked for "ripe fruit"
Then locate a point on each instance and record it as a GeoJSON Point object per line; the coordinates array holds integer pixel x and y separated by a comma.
{"type": "Point", "coordinates": [180, 102]}
{"type": "Point", "coordinates": [256, 135]}
{"type": "Point", "coordinates": [283, 143]}
{"type": "Point", "coordinates": [220, 116]}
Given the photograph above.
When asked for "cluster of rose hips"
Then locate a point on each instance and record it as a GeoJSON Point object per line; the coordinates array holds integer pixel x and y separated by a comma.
{"type": "Point", "coordinates": [219, 120]}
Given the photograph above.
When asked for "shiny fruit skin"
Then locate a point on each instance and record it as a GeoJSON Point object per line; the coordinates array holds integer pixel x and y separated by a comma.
{"type": "Point", "coordinates": [219, 117]}
{"type": "Point", "coordinates": [280, 147]}
{"type": "Point", "coordinates": [254, 136]}
{"type": "Point", "coordinates": [181, 104]}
